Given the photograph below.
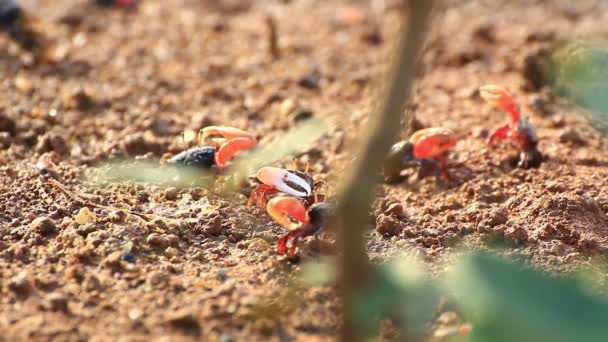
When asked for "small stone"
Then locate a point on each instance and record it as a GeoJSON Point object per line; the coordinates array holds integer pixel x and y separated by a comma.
{"type": "Point", "coordinates": [157, 278]}
{"type": "Point", "coordinates": [396, 210]}
{"type": "Point", "coordinates": [558, 121]}
{"type": "Point", "coordinates": [157, 240]}
{"type": "Point", "coordinates": [84, 216]}
{"type": "Point", "coordinates": [5, 140]}
{"type": "Point", "coordinates": [302, 115]}
{"type": "Point", "coordinates": [542, 107]}
{"type": "Point", "coordinates": [113, 261]}
{"type": "Point", "coordinates": [287, 106]}
{"type": "Point", "coordinates": [517, 234]}
{"type": "Point", "coordinates": [387, 225]}
{"type": "Point", "coordinates": [91, 283]}
{"type": "Point", "coordinates": [310, 81]}
{"type": "Point", "coordinates": [51, 142]}
{"type": "Point", "coordinates": [117, 216]}
{"type": "Point", "coordinates": [23, 84]}
{"type": "Point", "coordinates": [137, 145]}
{"type": "Point", "coordinates": [7, 124]}
{"type": "Point", "coordinates": [43, 226]}
{"type": "Point", "coordinates": [171, 193]}
{"type": "Point", "coordinates": [211, 227]}
{"type": "Point", "coordinates": [571, 135]}
{"type": "Point", "coordinates": [78, 99]}
{"type": "Point", "coordinates": [135, 314]}
{"type": "Point", "coordinates": [185, 321]}
{"type": "Point", "coordinates": [496, 217]}
{"type": "Point", "coordinates": [57, 302]}
{"type": "Point", "coordinates": [588, 245]}
{"type": "Point", "coordinates": [20, 284]}
{"type": "Point", "coordinates": [129, 257]}
{"type": "Point", "coordinates": [222, 274]}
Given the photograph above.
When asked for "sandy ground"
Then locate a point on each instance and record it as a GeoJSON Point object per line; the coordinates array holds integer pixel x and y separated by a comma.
{"type": "Point", "coordinates": [127, 82]}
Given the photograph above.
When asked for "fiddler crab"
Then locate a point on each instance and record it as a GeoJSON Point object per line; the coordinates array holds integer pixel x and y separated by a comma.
{"type": "Point", "coordinates": [292, 205]}
{"type": "Point", "coordinates": [216, 157]}
{"type": "Point", "coordinates": [426, 147]}
{"type": "Point", "coordinates": [517, 129]}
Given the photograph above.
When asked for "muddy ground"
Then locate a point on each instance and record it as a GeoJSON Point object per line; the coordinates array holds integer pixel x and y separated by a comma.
{"type": "Point", "coordinates": [75, 264]}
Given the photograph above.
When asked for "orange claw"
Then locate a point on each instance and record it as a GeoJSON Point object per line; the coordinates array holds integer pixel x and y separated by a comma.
{"type": "Point", "coordinates": [501, 98]}
{"type": "Point", "coordinates": [232, 141]}
{"type": "Point", "coordinates": [225, 132]}
{"type": "Point", "coordinates": [285, 209]}
{"type": "Point", "coordinates": [230, 148]}
{"type": "Point", "coordinates": [433, 142]}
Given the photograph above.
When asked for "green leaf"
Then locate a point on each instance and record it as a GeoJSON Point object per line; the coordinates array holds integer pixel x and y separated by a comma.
{"type": "Point", "coordinates": [401, 288]}
{"type": "Point", "coordinates": [506, 302]}
{"type": "Point", "coordinates": [317, 273]}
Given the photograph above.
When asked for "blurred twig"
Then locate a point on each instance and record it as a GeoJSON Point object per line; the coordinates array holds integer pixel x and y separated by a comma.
{"type": "Point", "coordinates": [273, 36]}
{"type": "Point", "coordinates": [352, 214]}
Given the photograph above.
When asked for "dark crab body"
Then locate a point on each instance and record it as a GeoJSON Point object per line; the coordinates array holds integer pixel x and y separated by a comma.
{"type": "Point", "coordinates": [317, 217]}
{"type": "Point", "coordinates": [231, 142]}
{"type": "Point", "coordinates": [200, 157]}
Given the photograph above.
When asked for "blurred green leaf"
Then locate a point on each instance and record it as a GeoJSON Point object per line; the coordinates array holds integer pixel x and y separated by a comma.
{"type": "Point", "coordinates": [506, 302]}
{"type": "Point", "coordinates": [581, 74]}
{"type": "Point", "coordinates": [296, 139]}
{"type": "Point", "coordinates": [317, 273]}
{"type": "Point", "coordinates": [149, 173]}
{"type": "Point", "coordinates": [246, 163]}
{"type": "Point", "coordinates": [401, 288]}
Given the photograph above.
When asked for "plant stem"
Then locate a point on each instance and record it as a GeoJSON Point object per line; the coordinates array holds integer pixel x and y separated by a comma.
{"type": "Point", "coordinates": [352, 214]}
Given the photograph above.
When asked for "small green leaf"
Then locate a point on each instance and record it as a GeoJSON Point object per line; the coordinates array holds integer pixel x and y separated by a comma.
{"type": "Point", "coordinates": [506, 302]}
{"type": "Point", "coordinates": [317, 273]}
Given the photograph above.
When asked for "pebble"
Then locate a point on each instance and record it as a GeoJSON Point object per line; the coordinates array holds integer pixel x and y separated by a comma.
{"type": "Point", "coordinates": [43, 226]}
{"type": "Point", "coordinates": [84, 216]}
{"type": "Point", "coordinates": [156, 278]}
{"type": "Point", "coordinates": [387, 225]}
{"type": "Point", "coordinates": [396, 210]}
{"type": "Point", "coordinates": [7, 124]}
{"type": "Point", "coordinates": [310, 81]}
{"type": "Point", "coordinates": [20, 284]}
{"type": "Point", "coordinates": [51, 142]}
{"type": "Point", "coordinates": [287, 106]}
{"type": "Point", "coordinates": [184, 320]}
{"type": "Point", "coordinates": [23, 84]}
{"type": "Point", "coordinates": [57, 302]}
{"type": "Point", "coordinates": [78, 99]}
{"type": "Point", "coordinates": [157, 240]}
{"type": "Point", "coordinates": [572, 136]}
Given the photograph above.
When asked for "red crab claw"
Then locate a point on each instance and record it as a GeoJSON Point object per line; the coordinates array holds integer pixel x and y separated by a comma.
{"type": "Point", "coordinates": [284, 210]}
{"type": "Point", "coordinates": [433, 142]}
{"type": "Point", "coordinates": [501, 98]}
{"type": "Point", "coordinates": [285, 181]}
{"type": "Point", "coordinates": [316, 218]}
{"type": "Point", "coordinates": [233, 141]}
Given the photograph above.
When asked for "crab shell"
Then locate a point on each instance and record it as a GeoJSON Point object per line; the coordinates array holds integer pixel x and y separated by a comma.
{"type": "Point", "coordinates": [432, 142]}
